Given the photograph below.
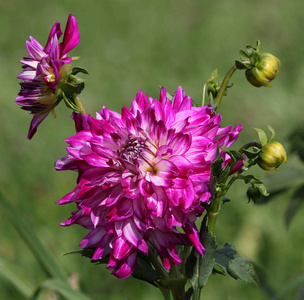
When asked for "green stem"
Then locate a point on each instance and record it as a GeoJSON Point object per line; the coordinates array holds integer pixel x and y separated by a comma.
{"type": "Point", "coordinates": [223, 87]}
{"type": "Point", "coordinates": [213, 212]}
{"type": "Point", "coordinates": [250, 144]}
{"type": "Point", "coordinates": [177, 283]}
{"type": "Point", "coordinates": [80, 106]}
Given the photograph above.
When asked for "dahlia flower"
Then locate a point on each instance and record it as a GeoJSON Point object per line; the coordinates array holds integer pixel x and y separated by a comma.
{"type": "Point", "coordinates": [42, 71]}
{"type": "Point", "coordinates": [143, 177]}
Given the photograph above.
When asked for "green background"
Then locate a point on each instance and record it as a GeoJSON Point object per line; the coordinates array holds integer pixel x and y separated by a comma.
{"type": "Point", "coordinates": [138, 45]}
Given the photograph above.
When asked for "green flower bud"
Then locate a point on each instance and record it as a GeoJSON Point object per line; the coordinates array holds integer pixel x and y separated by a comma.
{"type": "Point", "coordinates": [271, 156]}
{"type": "Point", "coordinates": [264, 70]}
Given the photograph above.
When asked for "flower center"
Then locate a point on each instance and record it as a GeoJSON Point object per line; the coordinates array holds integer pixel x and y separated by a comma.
{"type": "Point", "coordinates": [132, 149]}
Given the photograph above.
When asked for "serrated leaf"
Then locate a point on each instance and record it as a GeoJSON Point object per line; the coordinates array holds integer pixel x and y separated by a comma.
{"type": "Point", "coordinates": [242, 268]}
{"type": "Point", "coordinates": [297, 200]}
{"type": "Point", "coordinates": [199, 268]}
{"type": "Point", "coordinates": [262, 136]}
{"type": "Point", "coordinates": [235, 265]}
{"type": "Point", "coordinates": [206, 263]}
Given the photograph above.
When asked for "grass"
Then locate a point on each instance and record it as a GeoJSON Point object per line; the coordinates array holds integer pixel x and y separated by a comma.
{"type": "Point", "coordinates": [127, 46]}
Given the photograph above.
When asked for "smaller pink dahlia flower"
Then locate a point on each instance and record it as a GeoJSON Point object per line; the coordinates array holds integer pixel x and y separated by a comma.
{"type": "Point", "coordinates": [143, 177]}
{"type": "Point", "coordinates": [43, 69]}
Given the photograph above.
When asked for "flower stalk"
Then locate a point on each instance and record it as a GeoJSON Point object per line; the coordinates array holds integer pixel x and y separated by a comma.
{"type": "Point", "coordinates": [80, 106]}
{"type": "Point", "coordinates": [224, 85]}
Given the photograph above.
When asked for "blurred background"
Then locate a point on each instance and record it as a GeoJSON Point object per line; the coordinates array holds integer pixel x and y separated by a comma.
{"type": "Point", "coordinates": [139, 45]}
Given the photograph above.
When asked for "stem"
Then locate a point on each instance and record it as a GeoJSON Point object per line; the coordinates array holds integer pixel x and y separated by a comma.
{"type": "Point", "coordinates": [177, 283]}
{"type": "Point", "coordinates": [223, 87]}
{"type": "Point", "coordinates": [79, 104]}
{"type": "Point", "coordinates": [158, 267]}
{"type": "Point", "coordinates": [250, 144]}
{"type": "Point", "coordinates": [165, 292]}
{"type": "Point", "coordinates": [214, 211]}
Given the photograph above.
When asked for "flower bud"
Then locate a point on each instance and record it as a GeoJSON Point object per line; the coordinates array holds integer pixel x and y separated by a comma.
{"type": "Point", "coordinates": [265, 70]}
{"type": "Point", "coordinates": [271, 156]}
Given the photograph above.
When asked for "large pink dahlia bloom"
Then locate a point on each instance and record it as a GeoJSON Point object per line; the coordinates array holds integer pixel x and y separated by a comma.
{"type": "Point", "coordinates": [43, 69]}
{"type": "Point", "coordinates": [142, 175]}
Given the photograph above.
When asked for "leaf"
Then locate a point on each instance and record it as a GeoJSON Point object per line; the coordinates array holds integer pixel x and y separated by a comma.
{"type": "Point", "coordinates": [88, 252]}
{"type": "Point", "coordinates": [16, 277]}
{"type": "Point", "coordinates": [199, 268]}
{"type": "Point", "coordinates": [240, 65]}
{"type": "Point", "coordinates": [251, 154]}
{"type": "Point", "coordinates": [262, 136]}
{"type": "Point", "coordinates": [188, 294]}
{"type": "Point", "coordinates": [79, 70]}
{"type": "Point", "coordinates": [235, 265]}
{"type": "Point", "coordinates": [216, 167]}
{"type": "Point", "coordinates": [249, 179]}
{"type": "Point", "coordinates": [297, 200]}
{"type": "Point", "coordinates": [272, 132]}
{"type": "Point", "coordinates": [235, 155]}
{"type": "Point", "coordinates": [144, 270]}
{"type": "Point", "coordinates": [243, 55]}
{"type": "Point", "coordinates": [64, 289]}
{"type": "Point", "coordinates": [41, 253]}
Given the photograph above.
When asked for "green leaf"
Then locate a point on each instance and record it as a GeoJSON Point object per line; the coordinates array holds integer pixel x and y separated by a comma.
{"type": "Point", "coordinates": [243, 55]}
{"type": "Point", "coordinates": [64, 289]}
{"type": "Point", "coordinates": [88, 252]}
{"type": "Point", "coordinates": [214, 74]}
{"type": "Point", "coordinates": [144, 270]}
{"type": "Point", "coordinates": [297, 200]}
{"type": "Point", "coordinates": [16, 277]}
{"type": "Point", "coordinates": [216, 167]}
{"type": "Point", "coordinates": [199, 268]}
{"type": "Point", "coordinates": [43, 256]}
{"type": "Point", "coordinates": [251, 154]}
{"type": "Point", "coordinates": [235, 265]}
{"type": "Point", "coordinates": [249, 179]}
{"type": "Point", "coordinates": [240, 65]}
{"type": "Point", "coordinates": [262, 136]}
{"type": "Point", "coordinates": [188, 294]}
{"type": "Point", "coordinates": [79, 70]}
{"type": "Point", "coordinates": [272, 132]}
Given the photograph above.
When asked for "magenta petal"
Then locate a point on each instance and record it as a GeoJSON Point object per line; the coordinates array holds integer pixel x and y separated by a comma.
{"type": "Point", "coordinates": [164, 172]}
{"type": "Point", "coordinates": [142, 176]}
{"type": "Point", "coordinates": [126, 268]}
{"type": "Point", "coordinates": [132, 234]}
{"type": "Point", "coordinates": [55, 32]}
{"type": "Point", "coordinates": [71, 36]}
{"type": "Point", "coordinates": [36, 121]}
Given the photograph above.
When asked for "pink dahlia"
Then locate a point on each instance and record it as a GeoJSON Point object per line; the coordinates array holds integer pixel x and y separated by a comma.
{"type": "Point", "coordinates": [42, 71]}
{"type": "Point", "coordinates": [143, 177]}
